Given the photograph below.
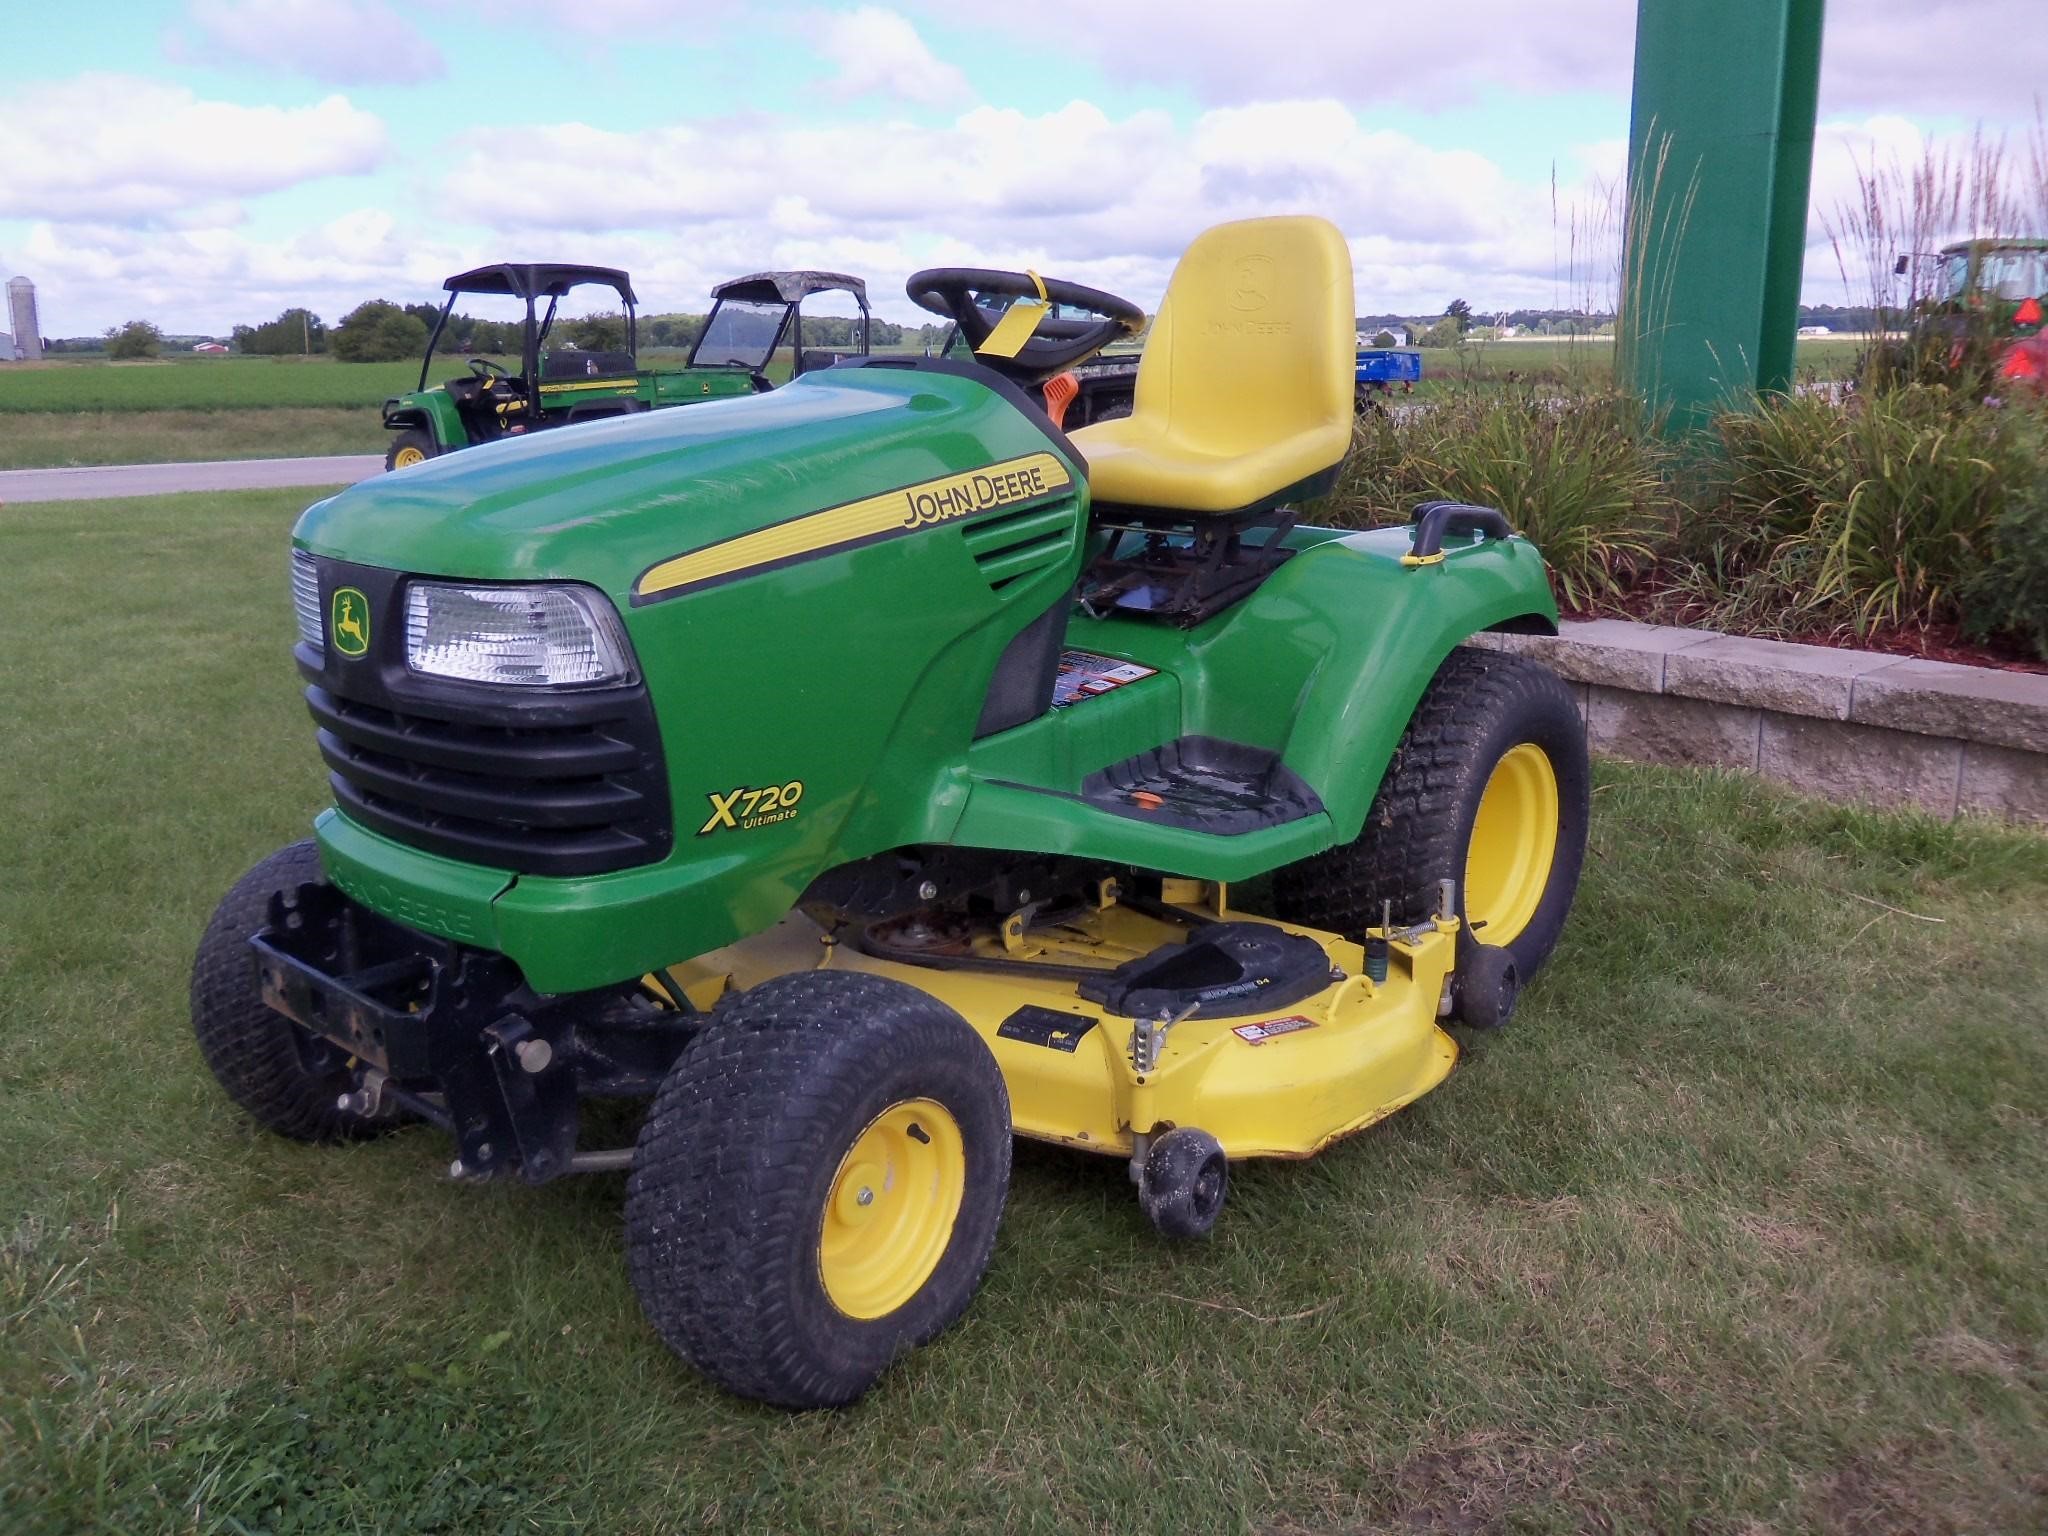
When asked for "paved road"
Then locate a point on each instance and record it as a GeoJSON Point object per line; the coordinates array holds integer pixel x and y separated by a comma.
{"type": "Point", "coordinates": [91, 484]}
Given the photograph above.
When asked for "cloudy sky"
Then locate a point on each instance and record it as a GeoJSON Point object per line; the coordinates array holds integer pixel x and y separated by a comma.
{"type": "Point", "coordinates": [204, 162]}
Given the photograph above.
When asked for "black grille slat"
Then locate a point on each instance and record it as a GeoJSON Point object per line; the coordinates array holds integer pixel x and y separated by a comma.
{"type": "Point", "coordinates": [515, 752]}
{"type": "Point", "coordinates": [577, 803]}
{"type": "Point", "coordinates": [533, 849]}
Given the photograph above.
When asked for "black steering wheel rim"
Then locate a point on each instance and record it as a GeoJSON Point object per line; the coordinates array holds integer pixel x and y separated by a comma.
{"type": "Point", "coordinates": [487, 370]}
{"type": "Point", "coordinates": [1056, 345]}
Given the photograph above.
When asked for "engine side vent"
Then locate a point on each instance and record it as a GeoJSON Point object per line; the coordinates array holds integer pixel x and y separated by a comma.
{"type": "Point", "coordinates": [1020, 544]}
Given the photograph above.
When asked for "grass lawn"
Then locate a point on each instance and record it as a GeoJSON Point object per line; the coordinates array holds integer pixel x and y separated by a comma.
{"type": "Point", "coordinates": [77, 412]}
{"type": "Point", "coordinates": [1588, 362]}
{"type": "Point", "coordinates": [1743, 1226]}
{"type": "Point", "coordinates": [50, 439]}
{"type": "Point", "coordinates": [209, 383]}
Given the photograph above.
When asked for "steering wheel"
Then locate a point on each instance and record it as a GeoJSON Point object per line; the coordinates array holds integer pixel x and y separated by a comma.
{"type": "Point", "coordinates": [488, 371]}
{"type": "Point", "coordinates": [1056, 345]}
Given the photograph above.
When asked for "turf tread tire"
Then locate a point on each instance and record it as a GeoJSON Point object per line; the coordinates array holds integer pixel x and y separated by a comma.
{"type": "Point", "coordinates": [737, 1156]}
{"type": "Point", "coordinates": [253, 1051]}
{"type": "Point", "coordinates": [411, 437]}
{"type": "Point", "coordinates": [1415, 835]}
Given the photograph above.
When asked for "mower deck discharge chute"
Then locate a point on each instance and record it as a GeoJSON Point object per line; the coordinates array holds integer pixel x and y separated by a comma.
{"type": "Point", "coordinates": [861, 770]}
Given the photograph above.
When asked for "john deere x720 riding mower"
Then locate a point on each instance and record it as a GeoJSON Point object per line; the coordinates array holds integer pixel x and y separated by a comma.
{"type": "Point", "coordinates": [861, 771]}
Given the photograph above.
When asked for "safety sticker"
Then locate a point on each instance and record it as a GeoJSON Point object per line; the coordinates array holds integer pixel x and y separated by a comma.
{"type": "Point", "coordinates": [1048, 1027]}
{"type": "Point", "coordinates": [1084, 675]}
{"type": "Point", "coordinates": [1271, 1029]}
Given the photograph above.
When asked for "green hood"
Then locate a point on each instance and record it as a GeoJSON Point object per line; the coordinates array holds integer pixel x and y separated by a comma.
{"type": "Point", "coordinates": [603, 502]}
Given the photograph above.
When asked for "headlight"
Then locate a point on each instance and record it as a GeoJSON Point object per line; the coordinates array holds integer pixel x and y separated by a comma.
{"type": "Point", "coordinates": [306, 597]}
{"type": "Point", "coordinates": [538, 636]}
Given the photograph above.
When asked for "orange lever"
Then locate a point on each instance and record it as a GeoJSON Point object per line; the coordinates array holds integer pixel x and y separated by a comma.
{"type": "Point", "coordinates": [1059, 391]}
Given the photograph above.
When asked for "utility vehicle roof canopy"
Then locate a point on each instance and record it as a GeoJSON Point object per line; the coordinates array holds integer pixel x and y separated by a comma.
{"type": "Point", "coordinates": [789, 287]}
{"type": "Point", "coordinates": [538, 280]}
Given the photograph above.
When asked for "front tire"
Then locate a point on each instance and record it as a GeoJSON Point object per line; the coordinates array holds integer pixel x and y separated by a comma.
{"type": "Point", "coordinates": [818, 1186]}
{"type": "Point", "coordinates": [1490, 787]}
{"type": "Point", "coordinates": [290, 1082]}
{"type": "Point", "coordinates": [1184, 1181]}
{"type": "Point", "coordinates": [410, 447]}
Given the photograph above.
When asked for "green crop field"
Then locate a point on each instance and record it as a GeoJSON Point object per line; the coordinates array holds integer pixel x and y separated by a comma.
{"type": "Point", "coordinates": [207, 383]}
{"type": "Point", "coordinates": [1742, 1227]}
{"type": "Point", "coordinates": [1589, 362]}
{"type": "Point", "coordinates": [264, 383]}
{"type": "Point", "coordinates": [41, 439]}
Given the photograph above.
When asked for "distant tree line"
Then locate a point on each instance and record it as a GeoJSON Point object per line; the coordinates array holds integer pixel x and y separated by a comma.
{"type": "Point", "coordinates": [380, 330]}
{"type": "Point", "coordinates": [383, 331]}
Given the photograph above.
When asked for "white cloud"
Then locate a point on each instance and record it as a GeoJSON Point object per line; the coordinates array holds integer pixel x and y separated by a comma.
{"type": "Point", "coordinates": [338, 42]}
{"type": "Point", "coordinates": [685, 206]}
{"type": "Point", "coordinates": [875, 50]}
{"type": "Point", "coordinates": [1307, 111]}
{"type": "Point", "coordinates": [92, 275]}
{"type": "Point", "coordinates": [1362, 53]}
{"type": "Point", "coordinates": [1075, 191]}
{"type": "Point", "coordinates": [637, 23]}
{"type": "Point", "coordinates": [118, 148]}
{"type": "Point", "coordinates": [1968, 58]}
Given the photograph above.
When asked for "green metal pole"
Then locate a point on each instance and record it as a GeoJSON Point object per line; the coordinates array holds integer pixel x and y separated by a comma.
{"type": "Point", "coordinates": [1720, 167]}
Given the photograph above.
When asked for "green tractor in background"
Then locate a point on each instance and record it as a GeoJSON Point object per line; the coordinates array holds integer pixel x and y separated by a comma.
{"type": "Point", "coordinates": [860, 772]}
{"type": "Point", "coordinates": [559, 385]}
{"type": "Point", "coordinates": [1984, 303]}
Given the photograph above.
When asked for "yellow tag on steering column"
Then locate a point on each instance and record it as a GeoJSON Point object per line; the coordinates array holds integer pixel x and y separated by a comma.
{"type": "Point", "coordinates": [1017, 324]}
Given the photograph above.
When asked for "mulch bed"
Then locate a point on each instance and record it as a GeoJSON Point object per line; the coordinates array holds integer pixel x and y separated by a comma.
{"type": "Point", "coordinates": [1648, 604]}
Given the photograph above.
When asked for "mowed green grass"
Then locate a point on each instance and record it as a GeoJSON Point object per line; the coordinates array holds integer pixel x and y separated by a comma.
{"type": "Point", "coordinates": [1742, 1226]}
{"type": "Point", "coordinates": [49, 439]}
{"type": "Point", "coordinates": [1568, 362]}
{"type": "Point", "coordinates": [270, 383]}
{"type": "Point", "coordinates": [83, 412]}
{"type": "Point", "coordinates": [210, 383]}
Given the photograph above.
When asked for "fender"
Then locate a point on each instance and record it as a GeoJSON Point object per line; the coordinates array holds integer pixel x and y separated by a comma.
{"type": "Point", "coordinates": [430, 410]}
{"type": "Point", "coordinates": [1322, 666]}
{"type": "Point", "coordinates": [1357, 701]}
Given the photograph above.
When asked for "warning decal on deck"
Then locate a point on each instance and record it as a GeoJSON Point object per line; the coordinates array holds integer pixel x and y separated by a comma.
{"type": "Point", "coordinates": [1271, 1029]}
{"type": "Point", "coordinates": [1083, 675]}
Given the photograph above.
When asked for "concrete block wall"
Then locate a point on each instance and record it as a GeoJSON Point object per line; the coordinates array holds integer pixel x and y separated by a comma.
{"type": "Point", "coordinates": [1844, 725]}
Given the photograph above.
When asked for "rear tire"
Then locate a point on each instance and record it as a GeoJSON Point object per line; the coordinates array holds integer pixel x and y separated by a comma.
{"type": "Point", "coordinates": [282, 1076]}
{"type": "Point", "coordinates": [818, 1186]}
{"type": "Point", "coordinates": [410, 447]}
{"type": "Point", "coordinates": [1493, 733]}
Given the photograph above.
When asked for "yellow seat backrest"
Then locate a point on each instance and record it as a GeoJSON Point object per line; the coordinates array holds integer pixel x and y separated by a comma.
{"type": "Point", "coordinates": [1247, 381]}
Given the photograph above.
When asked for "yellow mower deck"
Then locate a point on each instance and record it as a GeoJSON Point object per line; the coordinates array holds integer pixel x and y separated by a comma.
{"type": "Point", "coordinates": [1281, 1083]}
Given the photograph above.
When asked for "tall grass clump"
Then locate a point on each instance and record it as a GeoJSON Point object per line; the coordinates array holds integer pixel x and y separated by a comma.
{"type": "Point", "coordinates": [1581, 475]}
{"type": "Point", "coordinates": [2005, 593]}
{"type": "Point", "coordinates": [1871, 515]}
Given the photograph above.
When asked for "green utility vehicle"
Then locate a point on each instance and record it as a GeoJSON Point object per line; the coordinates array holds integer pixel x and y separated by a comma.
{"type": "Point", "coordinates": [557, 385]}
{"type": "Point", "coordinates": [860, 771]}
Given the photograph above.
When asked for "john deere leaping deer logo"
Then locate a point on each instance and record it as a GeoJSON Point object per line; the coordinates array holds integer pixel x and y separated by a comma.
{"type": "Point", "coordinates": [350, 628]}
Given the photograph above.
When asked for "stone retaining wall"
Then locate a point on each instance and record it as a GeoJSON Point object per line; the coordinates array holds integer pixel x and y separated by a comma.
{"type": "Point", "coordinates": [1846, 725]}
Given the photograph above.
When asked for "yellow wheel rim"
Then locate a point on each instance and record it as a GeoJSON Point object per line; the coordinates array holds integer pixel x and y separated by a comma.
{"type": "Point", "coordinates": [406, 457]}
{"type": "Point", "coordinates": [1514, 841]}
{"type": "Point", "coordinates": [892, 1208]}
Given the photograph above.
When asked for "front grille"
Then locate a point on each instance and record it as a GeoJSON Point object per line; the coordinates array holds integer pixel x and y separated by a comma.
{"type": "Point", "coordinates": [570, 785]}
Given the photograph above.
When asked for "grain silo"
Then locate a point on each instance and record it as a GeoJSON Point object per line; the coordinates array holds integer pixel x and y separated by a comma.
{"type": "Point", "coordinates": [21, 310]}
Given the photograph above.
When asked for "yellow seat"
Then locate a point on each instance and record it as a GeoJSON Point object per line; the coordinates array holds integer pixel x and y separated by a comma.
{"type": "Point", "coordinates": [1245, 390]}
